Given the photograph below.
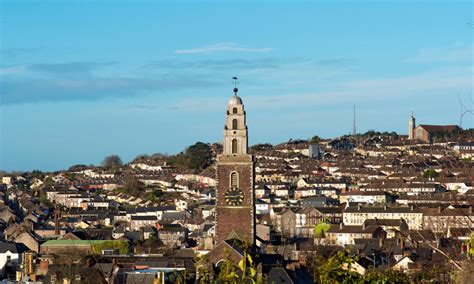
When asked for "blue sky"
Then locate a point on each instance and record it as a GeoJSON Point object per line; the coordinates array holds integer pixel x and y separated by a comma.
{"type": "Point", "coordinates": [84, 79]}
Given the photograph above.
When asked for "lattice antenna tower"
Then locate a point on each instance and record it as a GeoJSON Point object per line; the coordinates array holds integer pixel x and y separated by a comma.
{"type": "Point", "coordinates": [354, 129]}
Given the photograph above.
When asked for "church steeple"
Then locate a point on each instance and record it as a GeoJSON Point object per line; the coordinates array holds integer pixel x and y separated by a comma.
{"type": "Point", "coordinates": [235, 172]}
{"type": "Point", "coordinates": [235, 129]}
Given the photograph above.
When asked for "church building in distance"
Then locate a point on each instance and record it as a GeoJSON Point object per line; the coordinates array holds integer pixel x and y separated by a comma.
{"type": "Point", "coordinates": [235, 200]}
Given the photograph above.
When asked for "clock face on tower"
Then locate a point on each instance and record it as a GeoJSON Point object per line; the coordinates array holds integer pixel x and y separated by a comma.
{"type": "Point", "coordinates": [234, 196]}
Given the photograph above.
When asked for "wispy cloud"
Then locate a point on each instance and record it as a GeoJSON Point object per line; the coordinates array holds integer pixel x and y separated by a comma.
{"type": "Point", "coordinates": [54, 83]}
{"type": "Point", "coordinates": [247, 63]}
{"type": "Point", "coordinates": [338, 61]}
{"type": "Point", "coordinates": [222, 47]}
{"type": "Point", "coordinates": [80, 68]}
{"type": "Point", "coordinates": [453, 53]}
{"type": "Point", "coordinates": [60, 69]}
{"type": "Point", "coordinates": [236, 63]}
{"type": "Point", "coordinates": [423, 85]}
{"type": "Point", "coordinates": [143, 107]}
{"type": "Point", "coordinates": [12, 70]}
{"type": "Point", "coordinates": [18, 51]}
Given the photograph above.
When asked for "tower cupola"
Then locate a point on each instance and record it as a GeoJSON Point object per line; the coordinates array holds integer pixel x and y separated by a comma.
{"type": "Point", "coordinates": [235, 129]}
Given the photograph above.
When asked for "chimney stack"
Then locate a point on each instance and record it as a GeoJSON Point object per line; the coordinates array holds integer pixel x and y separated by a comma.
{"type": "Point", "coordinates": [57, 230]}
{"type": "Point", "coordinates": [142, 233]}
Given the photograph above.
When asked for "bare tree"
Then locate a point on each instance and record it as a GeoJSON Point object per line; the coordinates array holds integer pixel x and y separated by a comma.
{"type": "Point", "coordinates": [112, 162]}
{"type": "Point", "coordinates": [464, 110]}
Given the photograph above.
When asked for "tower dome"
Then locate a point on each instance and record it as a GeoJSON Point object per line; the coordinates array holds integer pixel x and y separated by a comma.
{"type": "Point", "coordinates": [235, 100]}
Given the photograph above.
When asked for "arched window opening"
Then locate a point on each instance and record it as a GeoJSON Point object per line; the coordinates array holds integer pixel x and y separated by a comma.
{"type": "Point", "coordinates": [234, 123]}
{"type": "Point", "coordinates": [234, 146]}
{"type": "Point", "coordinates": [234, 110]}
{"type": "Point", "coordinates": [234, 179]}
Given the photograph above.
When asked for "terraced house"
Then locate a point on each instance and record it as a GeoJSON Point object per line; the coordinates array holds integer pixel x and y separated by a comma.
{"type": "Point", "coordinates": [356, 215]}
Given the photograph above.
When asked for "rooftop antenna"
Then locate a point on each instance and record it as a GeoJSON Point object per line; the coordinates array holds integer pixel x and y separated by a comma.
{"type": "Point", "coordinates": [235, 85]}
{"type": "Point", "coordinates": [354, 130]}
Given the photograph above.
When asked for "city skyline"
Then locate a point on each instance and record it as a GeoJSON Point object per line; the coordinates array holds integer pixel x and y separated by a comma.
{"type": "Point", "coordinates": [86, 83]}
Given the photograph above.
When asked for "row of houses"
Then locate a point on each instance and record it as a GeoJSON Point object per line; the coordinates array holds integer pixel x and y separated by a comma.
{"type": "Point", "coordinates": [302, 221]}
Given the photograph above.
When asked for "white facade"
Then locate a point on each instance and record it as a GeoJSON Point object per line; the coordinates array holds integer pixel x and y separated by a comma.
{"type": "Point", "coordinates": [8, 258]}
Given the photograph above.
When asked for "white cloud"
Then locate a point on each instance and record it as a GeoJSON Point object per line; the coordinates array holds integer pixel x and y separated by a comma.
{"type": "Point", "coordinates": [445, 82]}
{"type": "Point", "coordinates": [12, 70]}
{"type": "Point", "coordinates": [453, 53]}
{"type": "Point", "coordinates": [221, 47]}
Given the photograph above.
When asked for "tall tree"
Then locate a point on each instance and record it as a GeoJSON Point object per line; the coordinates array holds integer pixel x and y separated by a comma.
{"type": "Point", "coordinates": [315, 139]}
{"type": "Point", "coordinates": [132, 184]}
{"type": "Point", "coordinates": [196, 157]}
{"type": "Point", "coordinates": [199, 155]}
{"type": "Point", "coordinates": [112, 162]}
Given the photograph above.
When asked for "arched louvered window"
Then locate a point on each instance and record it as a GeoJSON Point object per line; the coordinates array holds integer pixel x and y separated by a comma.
{"type": "Point", "coordinates": [234, 123]}
{"type": "Point", "coordinates": [234, 110]}
{"type": "Point", "coordinates": [234, 146]}
{"type": "Point", "coordinates": [234, 179]}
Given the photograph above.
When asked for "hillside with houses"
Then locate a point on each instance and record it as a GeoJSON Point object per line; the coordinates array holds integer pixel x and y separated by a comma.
{"type": "Point", "coordinates": [391, 203]}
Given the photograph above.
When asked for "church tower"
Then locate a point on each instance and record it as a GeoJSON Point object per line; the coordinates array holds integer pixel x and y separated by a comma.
{"type": "Point", "coordinates": [235, 202]}
{"type": "Point", "coordinates": [411, 127]}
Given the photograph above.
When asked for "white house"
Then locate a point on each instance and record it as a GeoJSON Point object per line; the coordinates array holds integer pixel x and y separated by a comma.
{"type": "Point", "coordinates": [403, 264]}
{"type": "Point", "coordinates": [10, 256]}
{"type": "Point", "coordinates": [8, 180]}
{"type": "Point", "coordinates": [262, 207]}
{"type": "Point", "coordinates": [146, 167]}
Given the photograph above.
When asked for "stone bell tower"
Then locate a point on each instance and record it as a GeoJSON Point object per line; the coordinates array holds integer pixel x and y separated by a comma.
{"type": "Point", "coordinates": [235, 202]}
{"type": "Point", "coordinates": [411, 127]}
